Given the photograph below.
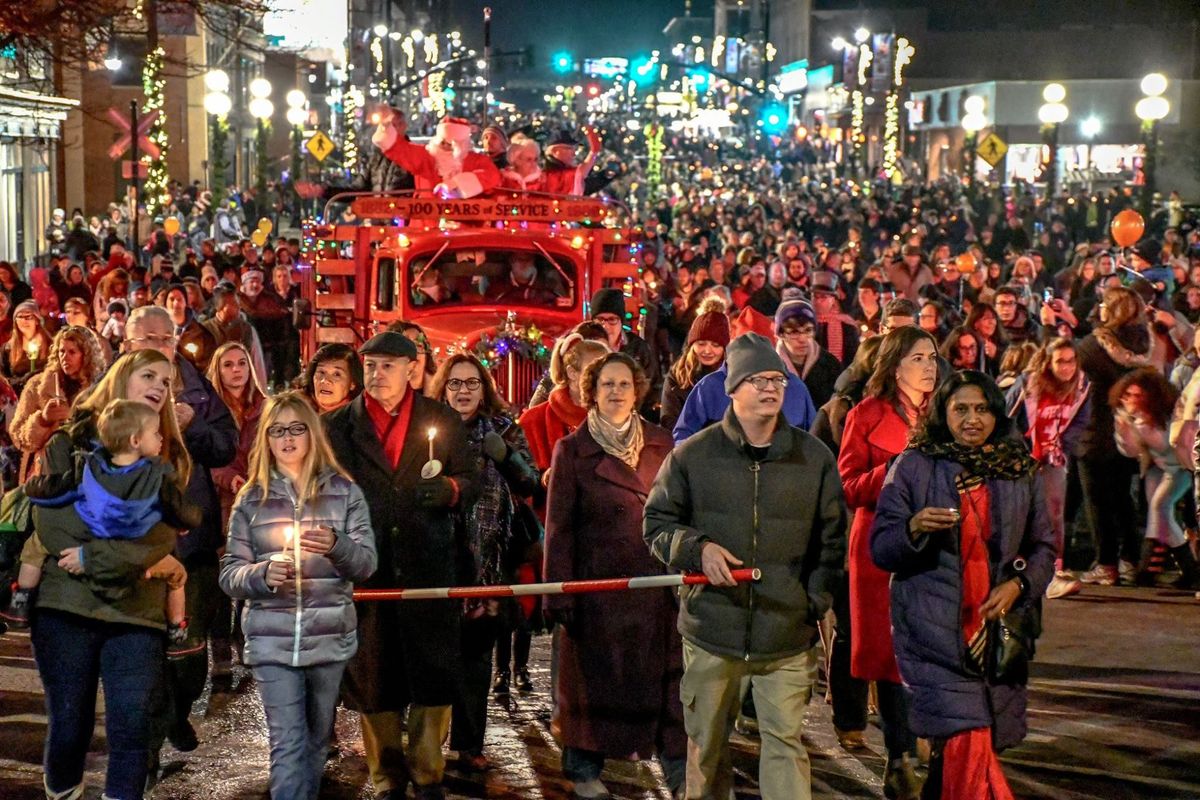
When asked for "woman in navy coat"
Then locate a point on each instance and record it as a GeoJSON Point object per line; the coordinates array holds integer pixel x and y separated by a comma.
{"type": "Point", "coordinates": [962, 526]}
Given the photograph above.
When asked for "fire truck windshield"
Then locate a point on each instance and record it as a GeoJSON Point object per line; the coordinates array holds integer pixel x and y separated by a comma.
{"type": "Point", "coordinates": [502, 276]}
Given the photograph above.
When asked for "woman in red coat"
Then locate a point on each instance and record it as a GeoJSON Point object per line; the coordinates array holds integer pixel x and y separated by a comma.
{"type": "Point", "coordinates": [545, 424]}
{"type": "Point", "coordinates": [876, 430]}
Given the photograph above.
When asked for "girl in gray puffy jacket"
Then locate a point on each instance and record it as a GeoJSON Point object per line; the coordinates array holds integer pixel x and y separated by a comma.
{"type": "Point", "coordinates": [299, 537]}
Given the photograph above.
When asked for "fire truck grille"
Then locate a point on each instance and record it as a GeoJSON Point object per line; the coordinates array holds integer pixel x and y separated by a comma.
{"type": "Point", "coordinates": [516, 378]}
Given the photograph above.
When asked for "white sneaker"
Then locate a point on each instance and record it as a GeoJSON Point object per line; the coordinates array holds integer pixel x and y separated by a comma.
{"type": "Point", "coordinates": [1064, 584]}
{"type": "Point", "coordinates": [1100, 575]}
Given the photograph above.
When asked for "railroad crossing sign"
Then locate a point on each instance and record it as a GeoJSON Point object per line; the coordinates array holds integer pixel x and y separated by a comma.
{"type": "Point", "coordinates": [319, 145]}
{"type": "Point", "coordinates": [992, 149]}
{"type": "Point", "coordinates": [145, 146]}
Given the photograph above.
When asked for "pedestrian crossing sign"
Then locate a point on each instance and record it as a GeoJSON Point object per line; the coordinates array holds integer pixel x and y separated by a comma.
{"type": "Point", "coordinates": [992, 149]}
{"type": "Point", "coordinates": [319, 145]}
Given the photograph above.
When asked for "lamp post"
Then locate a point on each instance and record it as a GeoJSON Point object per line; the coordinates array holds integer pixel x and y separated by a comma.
{"type": "Point", "coordinates": [296, 116]}
{"type": "Point", "coordinates": [972, 122]}
{"type": "Point", "coordinates": [1052, 114]}
{"type": "Point", "coordinates": [217, 104]}
{"type": "Point", "coordinates": [261, 108]}
{"type": "Point", "coordinates": [1150, 109]}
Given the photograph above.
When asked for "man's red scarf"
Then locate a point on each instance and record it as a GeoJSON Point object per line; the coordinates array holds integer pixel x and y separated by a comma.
{"type": "Point", "coordinates": [391, 428]}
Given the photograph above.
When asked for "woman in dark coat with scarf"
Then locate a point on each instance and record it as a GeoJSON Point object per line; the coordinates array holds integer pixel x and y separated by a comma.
{"type": "Point", "coordinates": [619, 655]}
{"type": "Point", "coordinates": [963, 527]}
{"type": "Point", "coordinates": [506, 477]}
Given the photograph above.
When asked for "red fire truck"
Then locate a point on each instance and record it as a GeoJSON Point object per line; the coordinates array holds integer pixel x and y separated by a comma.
{"type": "Point", "coordinates": [499, 275]}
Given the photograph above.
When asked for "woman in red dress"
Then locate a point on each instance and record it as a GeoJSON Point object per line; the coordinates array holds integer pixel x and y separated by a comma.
{"type": "Point", "coordinates": [876, 430]}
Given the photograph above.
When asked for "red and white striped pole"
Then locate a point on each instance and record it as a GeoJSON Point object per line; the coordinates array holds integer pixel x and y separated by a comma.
{"type": "Point", "coordinates": [562, 587]}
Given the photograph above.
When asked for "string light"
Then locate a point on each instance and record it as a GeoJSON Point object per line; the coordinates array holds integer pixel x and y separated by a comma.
{"type": "Point", "coordinates": [891, 124]}
{"type": "Point", "coordinates": [351, 102]}
{"type": "Point", "coordinates": [154, 87]}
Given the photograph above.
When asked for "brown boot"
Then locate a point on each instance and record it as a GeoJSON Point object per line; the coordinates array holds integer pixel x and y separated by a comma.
{"type": "Point", "coordinates": [900, 781]}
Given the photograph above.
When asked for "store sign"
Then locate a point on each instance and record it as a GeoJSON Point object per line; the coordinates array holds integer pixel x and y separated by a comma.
{"type": "Point", "coordinates": [300, 25]}
{"type": "Point", "coordinates": [609, 67]}
{"type": "Point", "coordinates": [793, 77]}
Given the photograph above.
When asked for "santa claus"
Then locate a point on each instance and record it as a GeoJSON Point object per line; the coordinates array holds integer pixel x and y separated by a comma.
{"type": "Point", "coordinates": [448, 165]}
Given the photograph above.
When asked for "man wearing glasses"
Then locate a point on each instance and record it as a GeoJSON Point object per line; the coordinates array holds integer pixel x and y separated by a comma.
{"type": "Point", "coordinates": [408, 653]}
{"type": "Point", "coordinates": [211, 437]}
{"type": "Point", "coordinates": [751, 492]}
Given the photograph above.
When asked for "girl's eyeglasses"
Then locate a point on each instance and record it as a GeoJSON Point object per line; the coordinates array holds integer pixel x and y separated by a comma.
{"type": "Point", "coordinates": [295, 429]}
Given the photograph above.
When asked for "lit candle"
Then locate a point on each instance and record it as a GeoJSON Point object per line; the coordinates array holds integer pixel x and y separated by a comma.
{"type": "Point", "coordinates": [31, 349]}
{"type": "Point", "coordinates": [191, 349]}
{"type": "Point", "coordinates": [432, 433]}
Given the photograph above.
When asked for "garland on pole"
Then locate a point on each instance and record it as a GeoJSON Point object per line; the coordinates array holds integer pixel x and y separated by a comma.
{"type": "Point", "coordinates": [352, 100]}
{"type": "Point", "coordinates": [511, 338]}
{"type": "Point", "coordinates": [154, 87]}
{"type": "Point", "coordinates": [654, 157]}
{"type": "Point", "coordinates": [218, 160]}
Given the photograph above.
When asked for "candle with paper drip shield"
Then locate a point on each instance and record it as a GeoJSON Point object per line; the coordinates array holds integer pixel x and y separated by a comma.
{"type": "Point", "coordinates": [32, 348]}
{"type": "Point", "coordinates": [432, 467]}
{"type": "Point", "coordinates": [290, 554]}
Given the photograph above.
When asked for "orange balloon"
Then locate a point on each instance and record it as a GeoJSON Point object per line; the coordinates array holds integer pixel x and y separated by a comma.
{"type": "Point", "coordinates": [965, 263]}
{"type": "Point", "coordinates": [1127, 228]}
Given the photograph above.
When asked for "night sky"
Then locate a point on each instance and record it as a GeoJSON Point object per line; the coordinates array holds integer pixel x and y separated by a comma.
{"type": "Point", "coordinates": [587, 28]}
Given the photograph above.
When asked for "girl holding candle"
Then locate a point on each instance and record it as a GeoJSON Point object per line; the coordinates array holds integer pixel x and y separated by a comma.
{"type": "Point", "coordinates": [28, 349]}
{"type": "Point", "coordinates": [299, 622]}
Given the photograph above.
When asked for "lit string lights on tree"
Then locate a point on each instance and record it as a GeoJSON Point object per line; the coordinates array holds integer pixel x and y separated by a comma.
{"type": "Point", "coordinates": [891, 124]}
{"type": "Point", "coordinates": [352, 100]}
{"type": "Point", "coordinates": [154, 87]}
{"type": "Point", "coordinates": [511, 338]}
{"type": "Point", "coordinates": [857, 136]}
{"type": "Point", "coordinates": [654, 156]}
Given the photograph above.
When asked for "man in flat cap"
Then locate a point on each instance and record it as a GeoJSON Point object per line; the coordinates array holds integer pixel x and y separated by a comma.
{"type": "Point", "coordinates": [407, 651]}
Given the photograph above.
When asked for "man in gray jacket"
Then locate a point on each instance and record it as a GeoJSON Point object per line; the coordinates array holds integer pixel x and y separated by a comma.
{"type": "Point", "coordinates": [752, 491]}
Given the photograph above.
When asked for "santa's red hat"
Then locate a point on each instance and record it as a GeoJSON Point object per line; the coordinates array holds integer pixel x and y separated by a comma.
{"type": "Point", "coordinates": [454, 129]}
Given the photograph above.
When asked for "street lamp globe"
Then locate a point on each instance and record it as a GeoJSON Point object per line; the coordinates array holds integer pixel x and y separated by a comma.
{"type": "Point", "coordinates": [861, 35]}
{"type": "Point", "coordinates": [417, 35]}
{"type": "Point", "coordinates": [217, 103]}
{"type": "Point", "coordinates": [296, 99]}
{"type": "Point", "coordinates": [1052, 114]}
{"type": "Point", "coordinates": [1054, 93]}
{"type": "Point", "coordinates": [216, 80]}
{"type": "Point", "coordinates": [1152, 109]}
{"type": "Point", "coordinates": [1090, 127]}
{"type": "Point", "coordinates": [840, 43]}
{"type": "Point", "coordinates": [380, 30]}
{"type": "Point", "coordinates": [260, 88]}
{"type": "Point", "coordinates": [112, 61]}
{"type": "Point", "coordinates": [1154, 84]}
{"type": "Point", "coordinates": [261, 108]}
{"type": "Point", "coordinates": [296, 116]}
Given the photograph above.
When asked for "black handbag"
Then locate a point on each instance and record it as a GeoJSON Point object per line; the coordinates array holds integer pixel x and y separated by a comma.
{"type": "Point", "coordinates": [1011, 644]}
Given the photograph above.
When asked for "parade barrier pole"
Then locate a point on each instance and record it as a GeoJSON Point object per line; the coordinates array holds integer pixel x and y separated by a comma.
{"type": "Point", "coordinates": [563, 587]}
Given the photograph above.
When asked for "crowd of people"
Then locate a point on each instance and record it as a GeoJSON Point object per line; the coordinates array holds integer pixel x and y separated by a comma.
{"type": "Point", "coordinates": [893, 402]}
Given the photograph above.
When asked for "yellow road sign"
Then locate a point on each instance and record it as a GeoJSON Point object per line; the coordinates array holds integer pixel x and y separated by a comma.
{"type": "Point", "coordinates": [320, 146]}
{"type": "Point", "coordinates": [992, 149]}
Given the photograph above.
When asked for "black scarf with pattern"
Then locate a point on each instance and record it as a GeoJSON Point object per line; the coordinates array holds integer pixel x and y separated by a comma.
{"type": "Point", "coordinates": [1006, 459]}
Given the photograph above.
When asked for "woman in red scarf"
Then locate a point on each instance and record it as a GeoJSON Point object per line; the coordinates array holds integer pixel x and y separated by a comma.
{"type": "Point", "coordinates": [545, 424]}
{"type": "Point", "coordinates": [962, 525]}
{"type": "Point", "coordinates": [876, 430]}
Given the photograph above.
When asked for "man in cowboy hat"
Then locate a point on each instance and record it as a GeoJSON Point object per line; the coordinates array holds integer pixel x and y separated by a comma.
{"type": "Point", "coordinates": [563, 174]}
{"type": "Point", "coordinates": [448, 165]}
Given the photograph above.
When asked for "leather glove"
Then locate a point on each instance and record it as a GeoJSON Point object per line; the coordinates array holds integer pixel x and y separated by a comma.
{"type": "Point", "coordinates": [436, 492]}
{"type": "Point", "coordinates": [494, 447]}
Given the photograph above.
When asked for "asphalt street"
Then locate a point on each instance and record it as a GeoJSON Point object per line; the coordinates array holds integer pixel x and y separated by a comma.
{"type": "Point", "coordinates": [1114, 714]}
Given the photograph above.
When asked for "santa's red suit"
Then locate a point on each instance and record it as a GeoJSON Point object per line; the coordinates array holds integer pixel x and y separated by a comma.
{"type": "Point", "coordinates": [459, 172]}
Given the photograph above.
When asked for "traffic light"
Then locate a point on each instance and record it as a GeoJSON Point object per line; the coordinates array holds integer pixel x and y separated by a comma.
{"type": "Point", "coordinates": [593, 90]}
{"type": "Point", "coordinates": [563, 62]}
{"type": "Point", "coordinates": [641, 70]}
{"type": "Point", "coordinates": [773, 119]}
{"type": "Point", "coordinates": [699, 78]}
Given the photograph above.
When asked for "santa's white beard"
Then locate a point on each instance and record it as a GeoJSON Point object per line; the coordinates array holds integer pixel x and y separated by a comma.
{"type": "Point", "coordinates": [448, 162]}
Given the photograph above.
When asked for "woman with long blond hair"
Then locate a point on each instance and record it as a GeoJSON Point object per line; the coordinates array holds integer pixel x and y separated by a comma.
{"type": "Point", "coordinates": [27, 348]}
{"type": "Point", "coordinates": [75, 362]}
{"type": "Point", "coordinates": [82, 637]}
{"type": "Point", "coordinates": [231, 372]}
{"type": "Point", "coordinates": [299, 537]}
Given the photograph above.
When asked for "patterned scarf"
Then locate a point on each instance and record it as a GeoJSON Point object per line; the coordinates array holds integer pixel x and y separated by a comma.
{"type": "Point", "coordinates": [624, 443]}
{"type": "Point", "coordinates": [1006, 460]}
{"type": "Point", "coordinates": [833, 333]}
{"type": "Point", "coordinates": [488, 523]}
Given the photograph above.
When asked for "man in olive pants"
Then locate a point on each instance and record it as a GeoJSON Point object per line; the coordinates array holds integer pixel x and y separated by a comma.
{"type": "Point", "coordinates": [751, 491]}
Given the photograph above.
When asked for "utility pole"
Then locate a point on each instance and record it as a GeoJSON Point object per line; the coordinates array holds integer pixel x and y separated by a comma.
{"type": "Point", "coordinates": [487, 58]}
{"type": "Point", "coordinates": [134, 175]}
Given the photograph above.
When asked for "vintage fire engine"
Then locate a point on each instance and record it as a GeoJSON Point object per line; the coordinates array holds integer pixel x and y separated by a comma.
{"type": "Point", "coordinates": [501, 275]}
